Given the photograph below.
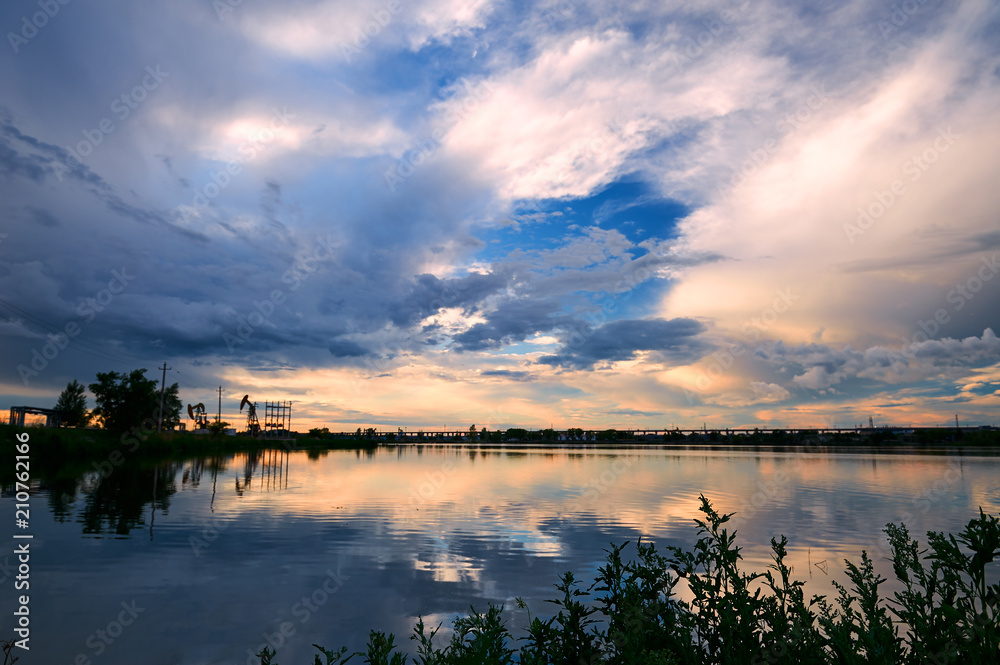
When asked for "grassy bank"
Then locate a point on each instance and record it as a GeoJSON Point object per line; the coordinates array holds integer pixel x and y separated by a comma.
{"type": "Point", "coordinates": [64, 451]}
{"type": "Point", "coordinates": [945, 613]}
{"type": "Point", "coordinates": [87, 442]}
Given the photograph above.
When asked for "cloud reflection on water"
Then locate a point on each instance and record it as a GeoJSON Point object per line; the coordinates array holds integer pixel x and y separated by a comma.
{"type": "Point", "coordinates": [431, 531]}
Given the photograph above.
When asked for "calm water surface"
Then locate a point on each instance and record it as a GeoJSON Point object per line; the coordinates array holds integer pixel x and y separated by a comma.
{"type": "Point", "coordinates": [214, 556]}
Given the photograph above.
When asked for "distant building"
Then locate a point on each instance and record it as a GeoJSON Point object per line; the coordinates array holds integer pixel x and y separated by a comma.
{"type": "Point", "coordinates": [17, 413]}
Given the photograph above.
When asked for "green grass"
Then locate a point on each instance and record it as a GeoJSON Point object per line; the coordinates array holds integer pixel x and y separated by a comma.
{"type": "Point", "coordinates": [945, 612]}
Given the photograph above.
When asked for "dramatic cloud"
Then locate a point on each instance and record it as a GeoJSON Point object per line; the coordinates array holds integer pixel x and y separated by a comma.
{"type": "Point", "coordinates": [421, 212]}
{"type": "Point", "coordinates": [911, 362]}
{"type": "Point", "coordinates": [675, 341]}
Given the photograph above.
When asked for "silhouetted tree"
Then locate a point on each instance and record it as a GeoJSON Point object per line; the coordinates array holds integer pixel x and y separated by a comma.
{"type": "Point", "coordinates": [72, 405]}
{"type": "Point", "coordinates": [128, 400]}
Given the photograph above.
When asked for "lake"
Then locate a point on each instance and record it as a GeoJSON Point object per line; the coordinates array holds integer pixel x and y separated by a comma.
{"type": "Point", "coordinates": [205, 560]}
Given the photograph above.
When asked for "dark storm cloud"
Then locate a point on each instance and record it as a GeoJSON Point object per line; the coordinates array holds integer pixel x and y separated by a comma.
{"type": "Point", "coordinates": [820, 366]}
{"type": "Point", "coordinates": [41, 217]}
{"type": "Point", "coordinates": [44, 161]}
{"type": "Point", "coordinates": [619, 275]}
{"type": "Point", "coordinates": [345, 348]}
{"type": "Point", "coordinates": [13, 163]}
{"type": "Point", "coordinates": [675, 340]}
{"type": "Point", "coordinates": [512, 322]}
{"type": "Point", "coordinates": [189, 297]}
{"type": "Point", "coordinates": [271, 201]}
{"type": "Point", "coordinates": [427, 294]}
{"type": "Point", "coordinates": [368, 297]}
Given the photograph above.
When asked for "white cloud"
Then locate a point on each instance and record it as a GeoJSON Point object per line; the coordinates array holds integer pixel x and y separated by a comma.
{"type": "Point", "coordinates": [817, 378]}
{"type": "Point", "coordinates": [765, 393]}
{"type": "Point", "coordinates": [334, 29]}
{"type": "Point", "coordinates": [568, 121]}
{"type": "Point", "coordinates": [926, 126]}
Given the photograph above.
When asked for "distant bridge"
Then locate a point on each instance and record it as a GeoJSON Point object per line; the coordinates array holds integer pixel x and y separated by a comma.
{"type": "Point", "coordinates": [639, 434]}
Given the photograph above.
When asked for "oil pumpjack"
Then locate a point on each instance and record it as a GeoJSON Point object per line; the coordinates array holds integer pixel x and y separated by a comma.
{"type": "Point", "coordinates": [253, 427]}
{"type": "Point", "coordinates": [198, 415]}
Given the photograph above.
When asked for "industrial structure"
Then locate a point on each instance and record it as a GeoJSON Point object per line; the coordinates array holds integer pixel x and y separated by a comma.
{"type": "Point", "coordinates": [277, 419]}
{"type": "Point", "coordinates": [252, 426]}
{"type": "Point", "coordinates": [198, 415]}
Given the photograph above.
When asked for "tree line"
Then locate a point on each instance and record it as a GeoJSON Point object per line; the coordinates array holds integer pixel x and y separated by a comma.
{"type": "Point", "coordinates": [122, 401]}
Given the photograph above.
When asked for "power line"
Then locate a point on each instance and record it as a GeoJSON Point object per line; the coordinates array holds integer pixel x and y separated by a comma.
{"type": "Point", "coordinates": [53, 329]}
{"type": "Point", "coordinates": [15, 313]}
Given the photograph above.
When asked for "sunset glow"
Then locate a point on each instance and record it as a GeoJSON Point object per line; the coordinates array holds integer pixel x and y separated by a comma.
{"type": "Point", "coordinates": [574, 214]}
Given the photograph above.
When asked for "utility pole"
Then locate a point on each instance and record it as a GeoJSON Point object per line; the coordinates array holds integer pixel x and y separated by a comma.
{"type": "Point", "coordinates": [163, 384]}
{"type": "Point", "coordinates": [218, 418]}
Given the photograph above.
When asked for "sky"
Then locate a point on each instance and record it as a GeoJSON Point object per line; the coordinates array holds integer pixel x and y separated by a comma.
{"type": "Point", "coordinates": [422, 214]}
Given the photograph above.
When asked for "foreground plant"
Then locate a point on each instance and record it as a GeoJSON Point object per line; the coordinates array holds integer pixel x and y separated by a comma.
{"type": "Point", "coordinates": [947, 613]}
